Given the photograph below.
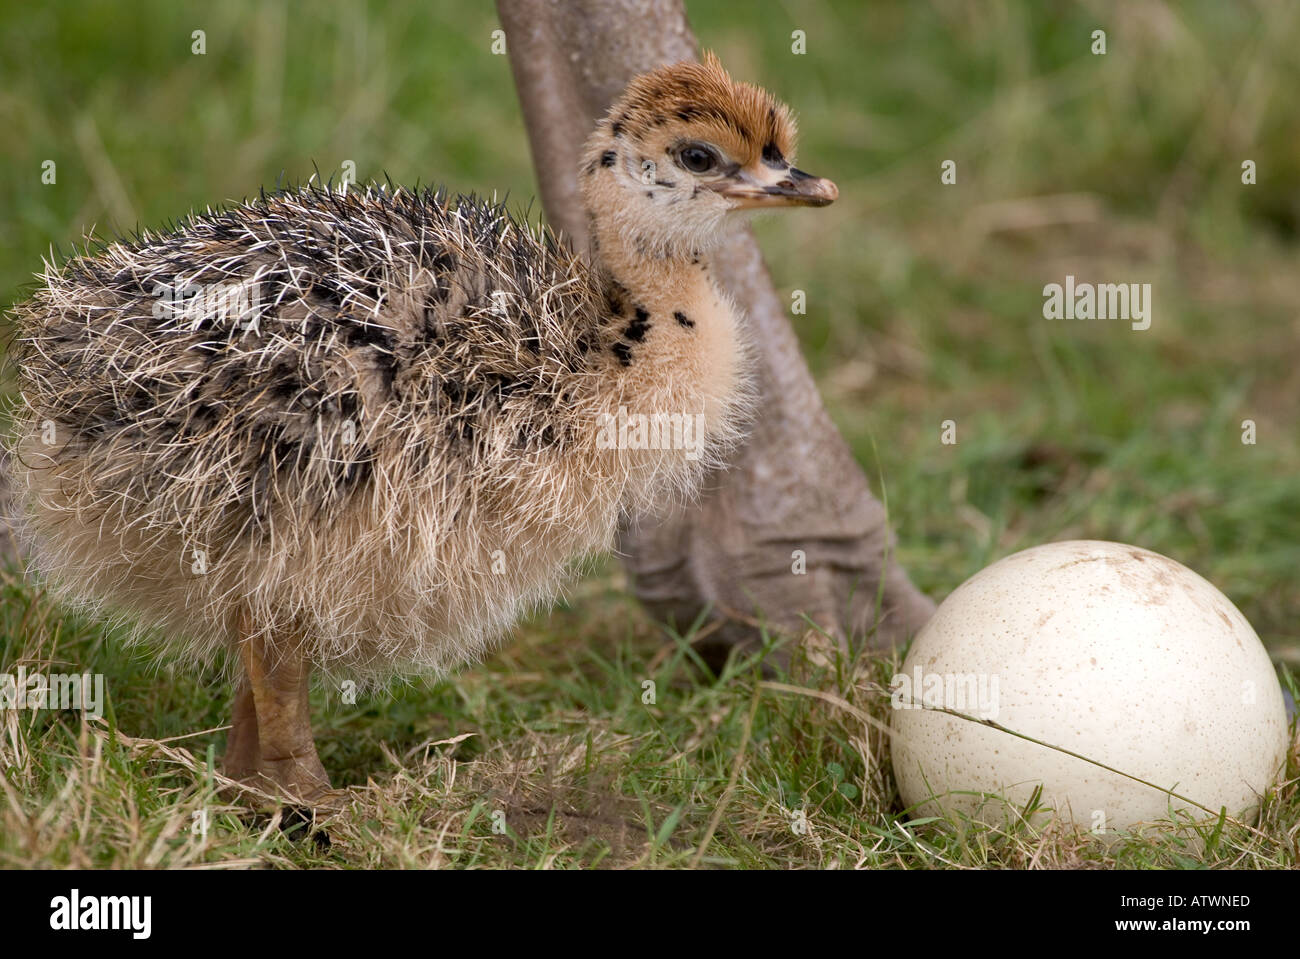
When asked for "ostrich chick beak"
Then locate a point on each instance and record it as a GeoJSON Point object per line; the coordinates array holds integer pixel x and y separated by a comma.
{"type": "Point", "coordinates": [765, 186]}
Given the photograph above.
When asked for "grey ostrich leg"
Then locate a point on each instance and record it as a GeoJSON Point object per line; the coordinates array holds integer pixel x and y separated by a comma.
{"type": "Point", "coordinates": [795, 485]}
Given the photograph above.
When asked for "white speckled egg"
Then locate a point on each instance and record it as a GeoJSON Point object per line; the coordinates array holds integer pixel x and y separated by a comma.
{"type": "Point", "coordinates": [1110, 651]}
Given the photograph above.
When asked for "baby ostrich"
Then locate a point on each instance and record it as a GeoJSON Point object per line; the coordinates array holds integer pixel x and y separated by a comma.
{"type": "Point", "coordinates": [359, 432]}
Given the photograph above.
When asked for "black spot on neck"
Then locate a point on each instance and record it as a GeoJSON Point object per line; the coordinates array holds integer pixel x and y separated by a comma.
{"type": "Point", "coordinates": [681, 318]}
{"type": "Point", "coordinates": [623, 352]}
{"type": "Point", "coordinates": [636, 330]}
{"type": "Point", "coordinates": [608, 157]}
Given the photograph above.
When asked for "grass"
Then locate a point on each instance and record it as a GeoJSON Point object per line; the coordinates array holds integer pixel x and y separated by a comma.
{"type": "Point", "coordinates": [924, 304]}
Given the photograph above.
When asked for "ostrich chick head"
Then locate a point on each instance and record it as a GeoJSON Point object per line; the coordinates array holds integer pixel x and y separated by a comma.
{"type": "Point", "coordinates": [681, 152]}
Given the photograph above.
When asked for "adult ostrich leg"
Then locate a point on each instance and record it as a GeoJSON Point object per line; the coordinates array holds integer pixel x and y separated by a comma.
{"type": "Point", "coordinates": [795, 485]}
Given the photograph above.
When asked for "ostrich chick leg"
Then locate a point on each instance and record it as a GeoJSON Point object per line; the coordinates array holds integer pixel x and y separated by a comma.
{"type": "Point", "coordinates": [243, 758]}
{"type": "Point", "coordinates": [270, 743]}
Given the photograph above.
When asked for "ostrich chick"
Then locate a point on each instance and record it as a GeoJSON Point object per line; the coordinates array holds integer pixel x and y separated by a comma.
{"type": "Point", "coordinates": [359, 432]}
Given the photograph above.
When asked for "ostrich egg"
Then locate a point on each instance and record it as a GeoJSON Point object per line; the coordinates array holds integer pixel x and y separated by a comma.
{"type": "Point", "coordinates": [1108, 651]}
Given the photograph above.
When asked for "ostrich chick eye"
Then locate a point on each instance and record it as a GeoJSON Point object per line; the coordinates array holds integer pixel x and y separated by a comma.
{"type": "Point", "coordinates": [697, 158]}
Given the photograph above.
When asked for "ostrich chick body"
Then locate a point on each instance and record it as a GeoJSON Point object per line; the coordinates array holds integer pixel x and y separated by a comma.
{"type": "Point", "coordinates": [359, 432]}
